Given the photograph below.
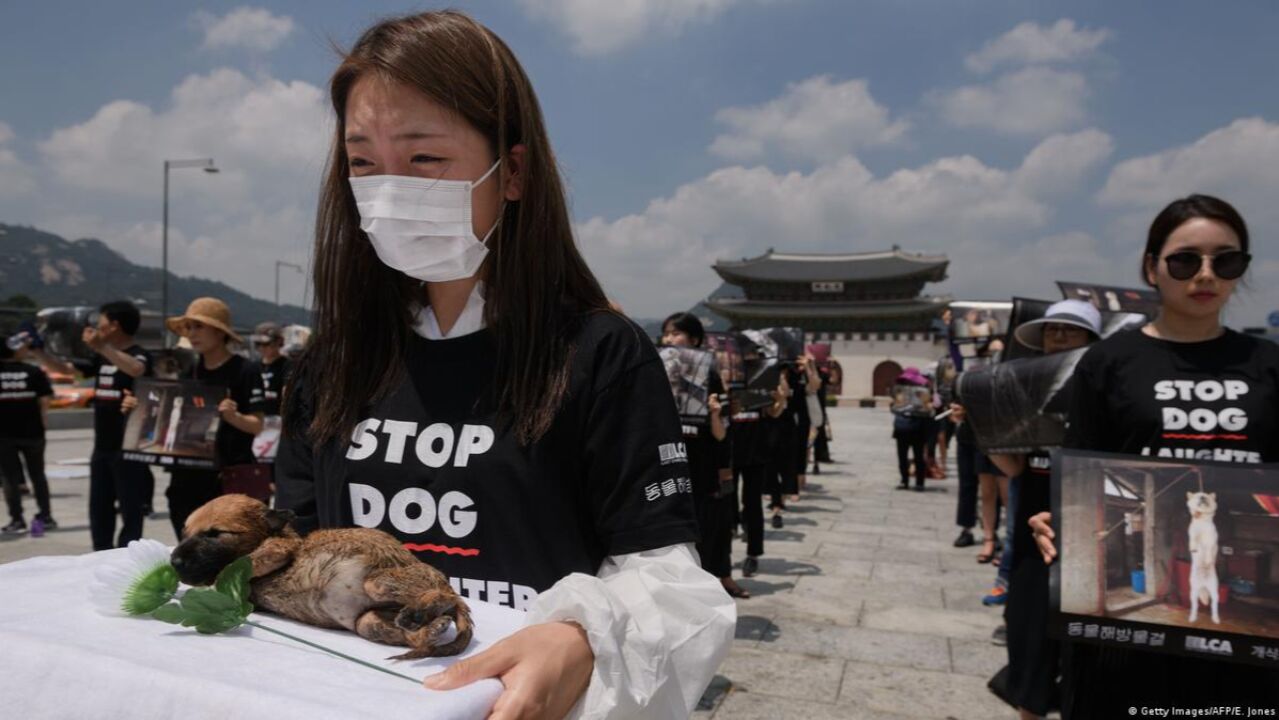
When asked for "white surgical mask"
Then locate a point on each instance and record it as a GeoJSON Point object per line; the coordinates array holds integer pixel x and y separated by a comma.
{"type": "Point", "coordinates": [421, 226]}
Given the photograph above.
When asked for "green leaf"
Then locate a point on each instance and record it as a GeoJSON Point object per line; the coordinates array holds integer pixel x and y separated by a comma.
{"type": "Point", "coordinates": [171, 613]}
{"type": "Point", "coordinates": [234, 579]}
{"type": "Point", "coordinates": [151, 590]}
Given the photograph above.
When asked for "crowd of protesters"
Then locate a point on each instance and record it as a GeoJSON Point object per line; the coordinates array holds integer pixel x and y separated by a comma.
{"type": "Point", "coordinates": [121, 491]}
{"type": "Point", "coordinates": [745, 455]}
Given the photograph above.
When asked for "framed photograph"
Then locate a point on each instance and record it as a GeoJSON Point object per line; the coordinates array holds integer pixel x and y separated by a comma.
{"type": "Point", "coordinates": [728, 358]}
{"type": "Point", "coordinates": [912, 400]}
{"type": "Point", "coordinates": [175, 423]}
{"type": "Point", "coordinates": [785, 344]}
{"type": "Point", "coordinates": [1170, 556]}
{"type": "Point", "coordinates": [1111, 298]}
{"type": "Point", "coordinates": [689, 371]}
{"type": "Point", "coordinates": [974, 325]}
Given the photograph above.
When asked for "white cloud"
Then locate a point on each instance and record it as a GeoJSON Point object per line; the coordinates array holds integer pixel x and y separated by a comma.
{"type": "Point", "coordinates": [1029, 101]}
{"type": "Point", "coordinates": [244, 27]}
{"type": "Point", "coordinates": [268, 137]}
{"type": "Point", "coordinates": [257, 131]}
{"type": "Point", "coordinates": [15, 177]}
{"type": "Point", "coordinates": [957, 205]}
{"type": "Point", "coordinates": [815, 119]}
{"type": "Point", "coordinates": [1030, 43]}
{"type": "Point", "coordinates": [598, 28]}
{"type": "Point", "coordinates": [1236, 161]}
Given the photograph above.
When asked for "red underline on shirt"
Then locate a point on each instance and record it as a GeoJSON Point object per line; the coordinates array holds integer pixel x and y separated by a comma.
{"type": "Point", "coordinates": [1180, 436]}
{"type": "Point", "coordinates": [430, 547]}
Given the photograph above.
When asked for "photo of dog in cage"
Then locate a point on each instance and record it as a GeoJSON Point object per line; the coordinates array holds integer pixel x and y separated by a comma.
{"type": "Point", "coordinates": [1181, 544]}
{"type": "Point", "coordinates": [175, 422]}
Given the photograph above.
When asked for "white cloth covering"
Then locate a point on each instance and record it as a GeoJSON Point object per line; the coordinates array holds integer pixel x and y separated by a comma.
{"type": "Point", "coordinates": [61, 658]}
{"type": "Point", "coordinates": [658, 624]}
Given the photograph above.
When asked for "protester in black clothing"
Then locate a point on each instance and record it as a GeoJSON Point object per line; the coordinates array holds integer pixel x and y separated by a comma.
{"type": "Point", "coordinates": [113, 483]}
{"type": "Point", "coordinates": [710, 464]}
{"type": "Point", "coordinates": [1128, 394]}
{"type": "Point", "coordinates": [1032, 655]}
{"type": "Point", "coordinates": [24, 408]}
{"type": "Point", "coordinates": [470, 391]}
{"type": "Point", "coordinates": [207, 326]}
{"type": "Point", "coordinates": [753, 436]}
{"type": "Point", "coordinates": [273, 366]}
{"type": "Point", "coordinates": [910, 427]}
{"type": "Point", "coordinates": [821, 443]}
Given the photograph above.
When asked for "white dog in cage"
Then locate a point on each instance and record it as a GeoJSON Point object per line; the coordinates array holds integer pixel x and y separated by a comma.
{"type": "Point", "coordinates": [1203, 553]}
{"type": "Point", "coordinates": [175, 417]}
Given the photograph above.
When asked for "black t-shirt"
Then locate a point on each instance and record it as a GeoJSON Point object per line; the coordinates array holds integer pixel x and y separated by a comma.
{"type": "Point", "coordinates": [1213, 400]}
{"type": "Point", "coordinates": [1034, 495]}
{"type": "Point", "coordinates": [21, 387]}
{"type": "Point", "coordinates": [433, 465]}
{"type": "Point", "coordinates": [273, 378]}
{"type": "Point", "coordinates": [797, 403]}
{"type": "Point", "coordinates": [706, 455]}
{"type": "Point", "coordinates": [109, 384]}
{"type": "Point", "coordinates": [239, 376]}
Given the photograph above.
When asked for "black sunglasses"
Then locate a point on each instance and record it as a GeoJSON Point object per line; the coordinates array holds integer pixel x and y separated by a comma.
{"type": "Point", "coordinates": [1229, 265]}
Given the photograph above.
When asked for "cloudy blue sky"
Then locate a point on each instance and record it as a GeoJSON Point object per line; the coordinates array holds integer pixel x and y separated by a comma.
{"type": "Point", "coordinates": [1030, 141]}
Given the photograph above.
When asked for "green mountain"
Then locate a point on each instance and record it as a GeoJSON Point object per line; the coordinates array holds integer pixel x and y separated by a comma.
{"type": "Point", "coordinates": [54, 272]}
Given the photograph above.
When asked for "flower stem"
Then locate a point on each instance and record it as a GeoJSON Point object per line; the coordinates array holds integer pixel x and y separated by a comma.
{"type": "Point", "coordinates": [331, 652]}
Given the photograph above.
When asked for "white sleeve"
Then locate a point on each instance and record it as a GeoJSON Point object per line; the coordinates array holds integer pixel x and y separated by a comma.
{"type": "Point", "coordinates": [658, 624]}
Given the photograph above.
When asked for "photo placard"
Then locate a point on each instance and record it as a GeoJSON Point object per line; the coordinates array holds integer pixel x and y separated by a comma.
{"type": "Point", "coordinates": [689, 371]}
{"type": "Point", "coordinates": [175, 423]}
{"type": "Point", "coordinates": [1169, 556]}
{"type": "Point", "coordinates": [1111, 298]}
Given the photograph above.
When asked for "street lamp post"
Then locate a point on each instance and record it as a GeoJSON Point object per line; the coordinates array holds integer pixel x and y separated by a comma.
{"type": "Point", "coordinates": [279, 264]}
{"type": "Point", "coordinates": [207, 165]}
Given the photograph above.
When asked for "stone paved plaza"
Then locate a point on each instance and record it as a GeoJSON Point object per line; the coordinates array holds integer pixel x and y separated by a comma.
{"type": "Point", "coordinates": [862, 608]}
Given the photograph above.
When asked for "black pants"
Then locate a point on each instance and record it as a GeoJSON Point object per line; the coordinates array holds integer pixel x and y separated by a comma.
{"type": "Point", "coordinates": [752, 484]}
{"type": "Point", "coordinates": [114, 482]}
{"type": "Point", "coordinates": [967, 459]}
{"type": "Point", "coordinates": [906, 444]}
{"type": "Point", "coordinates": [188, 490]}
{"type": "Point", "coordinates": [12, 455]}
{"type": "Point", "coordinates": [821, 447]}
{"type": "Point", "coordinates": [715, 527]}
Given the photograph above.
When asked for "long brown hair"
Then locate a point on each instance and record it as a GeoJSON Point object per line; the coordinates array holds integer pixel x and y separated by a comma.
{"type": "Point", "coordinates": [539, 287]}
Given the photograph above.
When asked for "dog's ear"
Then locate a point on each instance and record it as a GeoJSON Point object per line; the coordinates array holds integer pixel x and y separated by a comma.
{"type": "Point", "coordinates": [1189, 494]}
{"type": "Point", "coordinates": [277, 520]}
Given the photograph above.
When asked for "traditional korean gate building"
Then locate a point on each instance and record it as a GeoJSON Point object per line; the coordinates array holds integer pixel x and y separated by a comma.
{"type": "Point", "coordinates": [869, 306]}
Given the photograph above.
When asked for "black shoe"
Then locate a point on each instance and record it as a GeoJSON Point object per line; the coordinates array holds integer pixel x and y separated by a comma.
{"type": "Point", "coordinates": [903, 486]}
{"type": "Point", "coordinates": [750, 566]}
{"type": "Point", "coordinates": [817, 469]}
{"type": "Point", "coordinates": [919, 488]}
{"type": "Point", "coordinates": [49, 522]}
{"type": "Point", "coordinates": [965, 539]}
{"type": "Point", "coordinates": [1000, 636]}
{"type": "Point", "coordinates": [16, 527]}
{"type": "Point", "coordinates": [777, 522]}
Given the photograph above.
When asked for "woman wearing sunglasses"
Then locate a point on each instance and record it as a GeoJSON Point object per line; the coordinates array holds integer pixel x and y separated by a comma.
{"type": "Point", "coordinates": [1138, 393]}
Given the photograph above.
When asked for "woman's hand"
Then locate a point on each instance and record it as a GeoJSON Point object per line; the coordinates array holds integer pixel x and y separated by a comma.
{"type": "Point", "coordinates": [957, 412]}
{"type": "Point", "coordinates": [228, 409]}
{"type": "Point", "coordinates": [128, 402]}
{"type": "Point", "coordinates": [545, 669]}
{"type": "Point", "coordinates": [1042, 526]}
{"type": "Point", "coordinates": [713, 404]}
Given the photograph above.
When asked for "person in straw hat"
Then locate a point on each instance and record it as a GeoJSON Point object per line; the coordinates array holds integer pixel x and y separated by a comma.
{"type": "Point", "coordinates": [206, 325]}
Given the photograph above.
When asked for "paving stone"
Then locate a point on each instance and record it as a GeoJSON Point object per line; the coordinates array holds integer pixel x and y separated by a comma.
{"type": "Point", "coordinates": [802, 677]}
{"type": "Point", "coordinates": [929, 694]}
{"type": "Point", "coordinates": [872, 646]}
{"type": "Point", "coordinates": [980, 658]}
{"type": "Point", "coordinates": [958, 624]}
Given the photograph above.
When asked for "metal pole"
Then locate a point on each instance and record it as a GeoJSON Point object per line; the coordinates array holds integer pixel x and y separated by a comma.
{"type": "Point", "coordinates": [164, 263]}
{"type": "Point", "coordinates": [277, 291]}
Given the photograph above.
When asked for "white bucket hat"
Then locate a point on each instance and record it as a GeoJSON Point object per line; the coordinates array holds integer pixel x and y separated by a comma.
{"type": "Point", "coordinates": [1067, 312]}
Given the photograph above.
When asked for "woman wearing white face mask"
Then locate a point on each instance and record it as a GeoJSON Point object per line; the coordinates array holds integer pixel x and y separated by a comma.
{"type": "Point", "coordinates": [469, 391]}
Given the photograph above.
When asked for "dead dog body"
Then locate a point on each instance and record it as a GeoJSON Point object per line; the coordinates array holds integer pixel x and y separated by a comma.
{"type": "Point", "coordinates": [356, 579]}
